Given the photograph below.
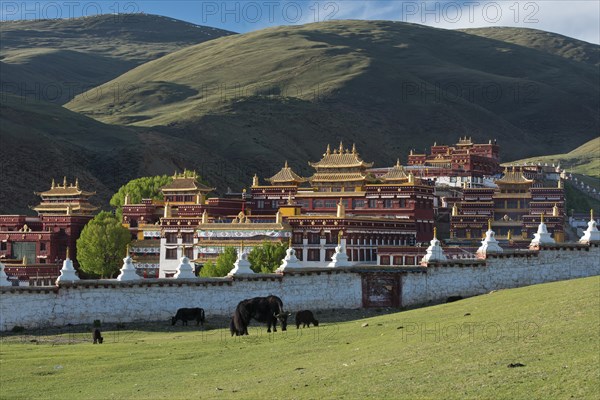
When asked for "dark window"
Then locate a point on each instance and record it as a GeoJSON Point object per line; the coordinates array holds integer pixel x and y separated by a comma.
{"type": "Point", "coordinates": [189, 252]}
{"type": "Point", "coordinates": [42, 246]}
{"type": "Point", "coordinates": [313, 254]}
{"type": "Point", "coordinates": [313, 238]}
{"type": "Point", "coordinates": [373, 203]}
{"type": "Point", "coordinates": [171, 254]}
{"type": "Point", "coordinates": [387, 203]}
{"type": "Point", "coordinates": [330, 204]}
{"type": "Point", "coordinates": [359, 203]}
{"type": "Point", "coordinates": [260, 204]}
{"type": "Point", "coordinates": [402, 203]}
{"type": "Point", "coordinates": [3, 246]}
{"type": "Point", "coordinates": [171, 237]}
{"type": "Point", "coordinates": [187, 238]}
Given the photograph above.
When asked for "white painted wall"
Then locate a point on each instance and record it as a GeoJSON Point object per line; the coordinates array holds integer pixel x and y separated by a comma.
{"type": "Point", "coordinates": [151, 300]}
{"type": "Point", "coordinates": [82, 303]}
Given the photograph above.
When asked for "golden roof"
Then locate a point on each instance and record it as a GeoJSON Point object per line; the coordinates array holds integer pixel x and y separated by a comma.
{"type": "Point", "coordinates": [186, 184]}
{"type": "Point", "coordinates": [65, 208]}
{"type": "Point", "coordinates": [65, 190]}
{"type": "Point", "coordinates": [396, 173]}
{"type": "Point", "coordinates": [286, 175]}
{"type": "Point", "coordinates": [466, 141]}
{"type": "Point", "coordinates": [341, 158]}
{"type": "Point", "coordinates": [338, 177]}
{"type": "Point", "coordinates": [513, 177]}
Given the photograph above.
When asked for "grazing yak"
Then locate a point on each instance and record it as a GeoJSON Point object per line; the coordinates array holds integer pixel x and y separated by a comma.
{"type": "Point", "coordinates": [188, 314]}
{"type": "Point", "coordinates": [97, 336]}
{"type": "Point", "coordinates": [263, 309]}
{"type": "Point", "coordinates": [305, 318]}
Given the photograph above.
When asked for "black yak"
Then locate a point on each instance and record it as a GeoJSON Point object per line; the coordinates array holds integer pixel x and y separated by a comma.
{"type": "Point", "coordinates": [305, 318]}
{"type": "Point", "coordinates": [263, 309]}
{"type": "Point", "coordinates": [97, 336]}
{"type": "Point", "coordinates": [189, 314]}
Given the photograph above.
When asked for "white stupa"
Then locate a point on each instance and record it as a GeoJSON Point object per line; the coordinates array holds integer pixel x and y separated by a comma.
{"type": "Point", "coordinates": [489, 245]}
{"type": "Point", "coordinates": [340, 258]}
{"type": "Point", "coordinates": [434, 251]}
{"type": "Point", "coordinates": [67, 272]}
{"type": "Point", "coordinates": [541, 237]}
{"type": "Point", "coordinates": [241, 265]}
{"type": "Point", "coordinates": [128, 269]}
{"type": "Point", "coordinates": [591, 234]}
{"type": "Point", "coordinates": [184, 269]}
{"type": "Point", "coordinates": [290, 261]}
{"type": "Point", "coordinates": [3, 277]}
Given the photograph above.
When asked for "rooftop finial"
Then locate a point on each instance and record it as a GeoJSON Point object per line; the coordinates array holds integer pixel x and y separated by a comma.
{"type": "Point", "coordinates": [127, 251]}
{"type": "Point", "coordinates": [290, 242]}
{"type": "Point", "coordinates": [435, 232]}
{"type": "Point", "coordinates": [340, 234]}
{"type": "Point", "coordinates": [353, 148]}
{"type": "Point", "coordinates": [67, 255]}
{"type": "Point", "coordinates": [77, 183]}
{"type": "Point", "coordinates": [328, 152]}
{"type": "Point", "coordinates": [53, 184]}
{"type": "Point", "coordinates": [542, 218]}
{"type": "Point", "coordinates": [341, 147]}
{"type": "Point", "coordinates": [65, 181]}
{"type": "Point", "coordinates": [489, 224]}
{"type": "Point", "coordinates": [397, 162]}
{"type": "Point", "coordinates": [286, 164]}
{"type": "Point", "coordinates": [255, 180]}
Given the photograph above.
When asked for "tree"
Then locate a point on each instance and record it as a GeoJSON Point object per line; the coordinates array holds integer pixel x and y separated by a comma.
{"type": "Point", "coordinates": [267, 257]}
{"type": "Point", "coordinates": [222, 265]}
{"type": "Point", "coordinates": [102, 245]}
{"type": "Point", "coordinates": [147, 187]}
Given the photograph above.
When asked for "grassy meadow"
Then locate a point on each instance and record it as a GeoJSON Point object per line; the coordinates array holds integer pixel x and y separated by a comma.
{"type": "Point", "coordinates": [452, 351]}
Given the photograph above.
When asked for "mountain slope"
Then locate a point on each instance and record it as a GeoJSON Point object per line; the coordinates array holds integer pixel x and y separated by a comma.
{"type": "Point", "coordinates": [547, 42]}
{"type": "Point", "coordinates": [388, 86]}
{"type": "Point", "coordinates": [583, 160]}
{"type": "Point", "coordinates": [53, 60]}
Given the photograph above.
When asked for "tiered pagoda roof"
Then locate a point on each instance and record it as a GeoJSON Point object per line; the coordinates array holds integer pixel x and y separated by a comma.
{"type": "Point", "coordinates": [395, 174]}
{"type": "Point", "coordinates": [186, 183]}
{"type": "Point", "coordinates": [340, 166]}
{"type": "Point", "coordinates": [65, 199]}
{"type": "Point", "coordinates": [341, 158]}
{"type": "Point", "coordinates": [286, 176]}
{"type": "Point", "coordinates": [513, 177]}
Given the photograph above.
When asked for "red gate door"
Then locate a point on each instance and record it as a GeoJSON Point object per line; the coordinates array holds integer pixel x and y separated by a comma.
{"type": "Point", "coordinates": [381, 290]}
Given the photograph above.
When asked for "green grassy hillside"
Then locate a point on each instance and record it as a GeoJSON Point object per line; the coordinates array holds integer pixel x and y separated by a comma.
{"type": "Point", "coordinates": [387, 86]}
{"type": "Point", "coordinates": [55, 59]}
{"type": "Point", "coordinates": [583, 160]}
{"type": "Point", "coordinates": [460, 350]}
{"type": "Point", "coordinates": [547, 42]}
